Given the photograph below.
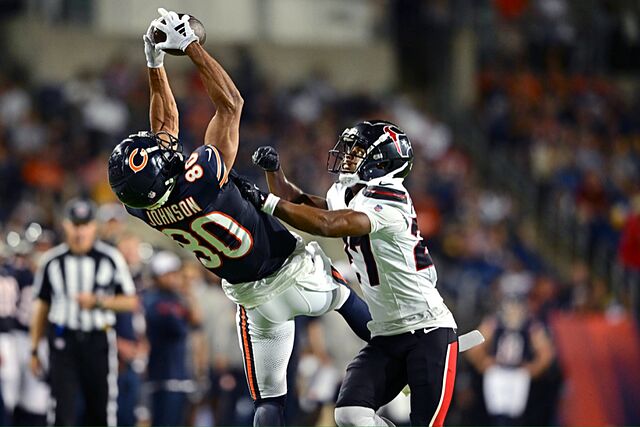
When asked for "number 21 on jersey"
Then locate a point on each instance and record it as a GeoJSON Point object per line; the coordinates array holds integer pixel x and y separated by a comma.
{"type": "Point", "coordinates": [362, 244]}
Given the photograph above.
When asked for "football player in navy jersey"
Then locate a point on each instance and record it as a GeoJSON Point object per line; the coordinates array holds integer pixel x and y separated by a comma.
{"type": "Point", "coordinates": [269, 272]}
{"type": "Point", "coordinates": [413, 332]}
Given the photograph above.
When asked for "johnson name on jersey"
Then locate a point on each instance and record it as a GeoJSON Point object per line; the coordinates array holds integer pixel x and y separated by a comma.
{"type": "Point", "coordinates": [206, 215]}
{"type": "Point", "coordinates": [392, 262]}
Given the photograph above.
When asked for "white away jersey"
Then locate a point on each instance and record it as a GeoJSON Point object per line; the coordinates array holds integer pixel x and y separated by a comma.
{"type": "Point", "coordinates": [392, 262]}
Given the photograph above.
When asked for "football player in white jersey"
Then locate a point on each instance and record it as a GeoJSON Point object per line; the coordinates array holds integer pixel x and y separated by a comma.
{"type": "Point", "coordinates": [414, 337]}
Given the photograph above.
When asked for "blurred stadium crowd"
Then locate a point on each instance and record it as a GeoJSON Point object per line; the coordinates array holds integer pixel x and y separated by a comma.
{"type": "Point", "coordinates": [573, 136]}
{"type": "Point", "coordinates": [577, 137]}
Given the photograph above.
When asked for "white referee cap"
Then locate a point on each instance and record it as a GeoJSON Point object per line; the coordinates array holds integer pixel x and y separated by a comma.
{"type": "Point", "coordinates": [165, 262]}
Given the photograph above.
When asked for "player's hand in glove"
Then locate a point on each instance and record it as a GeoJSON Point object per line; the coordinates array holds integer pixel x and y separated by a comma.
{"type": "Point", "coordinates": [155, 56]}
{"type": "Point", "coordinates": [265, 202]}
{"type": "Point", "coordinates": [248, 190]}
{"type": "Point", "coordinates": [179, 32]}
{"type": "Point", "coordinates": [267, 158]}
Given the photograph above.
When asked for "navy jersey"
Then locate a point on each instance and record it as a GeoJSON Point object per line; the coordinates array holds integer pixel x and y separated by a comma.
{"type": "Point", "coordinates": [206, 214]}
{"type": "Point", "coordinates": [512, 347]}
{"type": "Point", "coordinates": [167, 329]}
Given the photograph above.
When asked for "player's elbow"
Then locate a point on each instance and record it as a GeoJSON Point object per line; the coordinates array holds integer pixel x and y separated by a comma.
{"type": "Point", "coordinates": [236, 101]}
{"type": "Point", "coordinates": [233, 103]}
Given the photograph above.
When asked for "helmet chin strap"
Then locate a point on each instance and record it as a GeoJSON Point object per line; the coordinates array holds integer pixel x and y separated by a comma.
{"type": "Point", "coordinates": [351, 179]}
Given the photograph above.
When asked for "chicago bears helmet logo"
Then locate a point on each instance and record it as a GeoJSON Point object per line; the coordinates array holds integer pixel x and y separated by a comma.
{"type": "Point", "coordinates": [138, 167]}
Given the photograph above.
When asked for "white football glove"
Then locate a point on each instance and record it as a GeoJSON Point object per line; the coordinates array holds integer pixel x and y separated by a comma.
{"type": "Point", "coordinates": [179, 32]}
{"type": "Point", "coordinates": [155, 56]}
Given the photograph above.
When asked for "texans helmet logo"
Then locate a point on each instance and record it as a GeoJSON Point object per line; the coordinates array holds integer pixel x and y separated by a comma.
{"type": "Point", "coordinates": [403, 150]}
{"type": "Point", "coordinates": [138, 167]}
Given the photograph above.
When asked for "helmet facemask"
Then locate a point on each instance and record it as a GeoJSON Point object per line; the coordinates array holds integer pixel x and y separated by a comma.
{"type": "Point", "coordinates": [171, 149]}
{"type": "Point", "coordinates": [149, 181]}
{"type": "Point", "coordinates": [360, 155]}
{"type": "Point", "coordinates": [346, 158]}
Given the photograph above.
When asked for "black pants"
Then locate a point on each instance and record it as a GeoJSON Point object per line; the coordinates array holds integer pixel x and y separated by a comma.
{"type": "Point", "coordinates": [84, 362]}
{"type": "Point", "coordinates": [425, 361]}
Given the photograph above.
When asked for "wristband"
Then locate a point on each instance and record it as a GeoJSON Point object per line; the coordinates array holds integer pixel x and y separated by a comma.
{"type": "Point", "coordinates": [99, 304]}
{"type": "Point", "coordinates": [270, 204]}
{"type": "Point", "coordinates": [34, 352]}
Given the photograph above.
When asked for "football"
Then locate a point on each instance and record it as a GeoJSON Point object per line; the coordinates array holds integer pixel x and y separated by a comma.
{"type": "Point", "coordinates": [158, 36]}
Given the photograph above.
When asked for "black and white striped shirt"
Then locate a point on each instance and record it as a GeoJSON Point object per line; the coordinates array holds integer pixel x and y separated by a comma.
{"type": "Point", "coordinates": [62, 275]}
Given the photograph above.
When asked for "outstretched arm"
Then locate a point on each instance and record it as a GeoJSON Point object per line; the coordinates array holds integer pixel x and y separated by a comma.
{"type": "Point", "coordinates": [224, 129]}
{"type": "Point", "coordinates": [282, 187]}
{"type": "Point", "coordinates": [267, 158]}
{"type": "Point", "coordinates": [163, 111]}
{"type": "Point", "coordinates": [321, 222]}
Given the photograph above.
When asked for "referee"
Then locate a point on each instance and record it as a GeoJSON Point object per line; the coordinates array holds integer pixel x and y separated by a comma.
{"type": "Point", "coordinates": [79, 285]}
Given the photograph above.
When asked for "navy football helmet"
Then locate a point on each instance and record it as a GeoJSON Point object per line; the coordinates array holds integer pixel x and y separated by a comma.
{"type": "Point", "coordinates": [143, 168]}
{"type": "Point", "coordinates": [369, 150]}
